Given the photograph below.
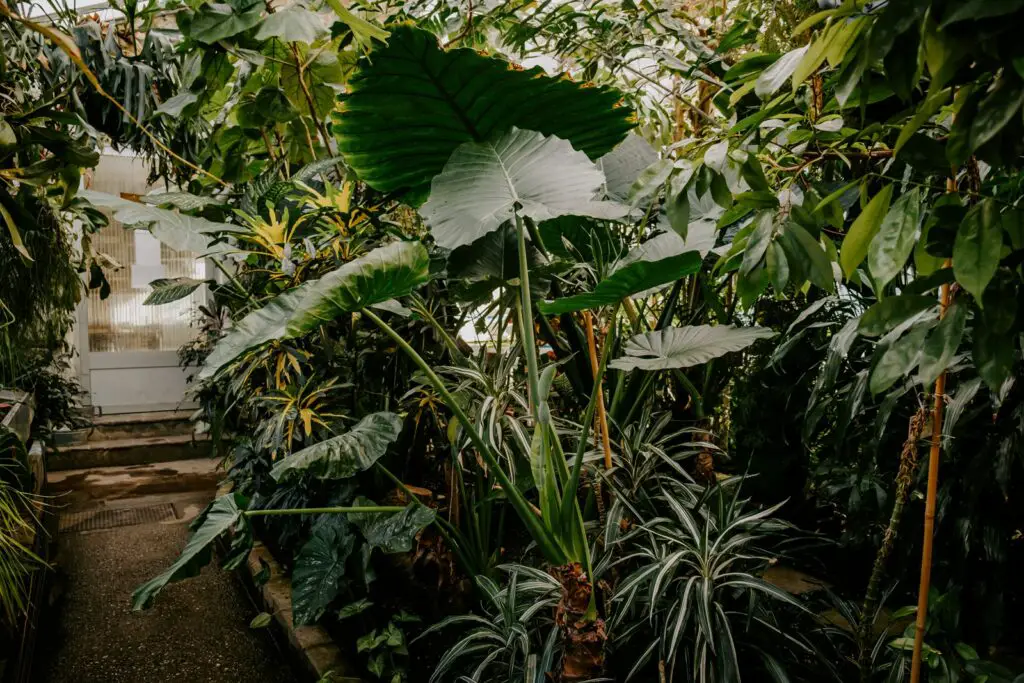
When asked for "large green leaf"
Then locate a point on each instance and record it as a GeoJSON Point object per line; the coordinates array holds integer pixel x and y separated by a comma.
{"type": "Point", "coordinates": [391, 532]}
{"type": "Point", "coordinates": [896, 237]}
{"type": "Point", "coordinates": [891, 311]}
{"type": "Point", "coordinates": [319, 568]}
{"type": "Point", "coordinates": [483, 182]}
{"type": "Point", "coordinates": [682, 347]}
{"type": "Point", "coordinates": [636, 277]}
{"type": "Point", "coordinates": [344, 455]}
{"type": "Point", "coordinates": [214, 22]}
{"type": "Point", "coordinates": [185, 201]}
{"type": "Point", "coordinates": [896, 360]}
{"type": "Point", "coordinates": [942, 343]}
{"type": "Point", "coordinates": [624, 164]}
{"type": "Point", "coordinates": [223, 514]}
{"type": "Point", "coordinates": [411, 104]}
{"type": "Point", "coordinates": [976, 250]}
{"type": "Point", "coordinates": [384, 273]}
{"type": "Point", "coordinates": [166, 290]}
{"type": "Point", "coordinates": [293, 24]}
{"type": "Point", "coordinates": [864, 228]}
{"type": "Point", "coordinates": [772, 78]}
{"type": "Point", "coordinates": [994, 356]}
{"type": "Point", "coordinates": [177, 230]}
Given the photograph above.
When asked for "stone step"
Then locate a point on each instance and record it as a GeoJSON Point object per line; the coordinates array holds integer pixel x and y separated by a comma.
{"type": "Point", "coordinates": [141, 425]}
{"type": "Point", "coordinates": [86, 488]}
{"type": "Point", "coordinates": [131, 451]}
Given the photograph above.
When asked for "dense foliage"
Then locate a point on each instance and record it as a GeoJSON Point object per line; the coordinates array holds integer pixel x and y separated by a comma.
{"type": "Point", "coordinates": [580, 354]}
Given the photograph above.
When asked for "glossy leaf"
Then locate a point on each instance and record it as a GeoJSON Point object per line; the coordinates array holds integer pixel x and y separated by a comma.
{"type": "Point", "coordinates": [862, 232]}
{"type": "Point", "coordinates": [319, 568]}
{"type": "Point", "coordinates": [896, 237]}
{"type": "Point", "coordinates": [384, 273]}
{"type": "Point", "coordinates": [636, 277]}
{"type": "Point", "coordinates": [897, 360]}
{"type": "Point", "coordinates": [345, 455]}
{"type": "Point", "coordinates": [976, 250]}
{"type": "Point", "coordinates": [890, 312]}
{"type": "Point", "coordinates": [682, 347]}
{"type": "Point", "coordinates": [411, 93]}
{"type": "Point", "coordinates": [166, 290]}
{"type": "Point", "coordinates": [222, 515]}
{"type": "Point", "coordinates": [391, 532]}
{"type": "Point", "coordinates": [214, 22]}
{"type": "Point", "coordinates": [483, 183]}
{"type": "Point", "coordinates": [942, 344]}
{"type": "Point", "coordinates": [773, 78]}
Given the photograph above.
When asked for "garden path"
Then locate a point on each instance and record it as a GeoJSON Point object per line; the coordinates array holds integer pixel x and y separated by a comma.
{"type": "Point", "coordinates": [198, 630]}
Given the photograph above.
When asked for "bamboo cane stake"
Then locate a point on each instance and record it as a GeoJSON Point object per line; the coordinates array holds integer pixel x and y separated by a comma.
{"type": "Point", "coordinates": [932, 494]}
{"type": "Point", "coordinates": [602, 420]}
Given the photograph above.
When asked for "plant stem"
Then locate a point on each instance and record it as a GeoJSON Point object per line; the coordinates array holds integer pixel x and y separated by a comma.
{"type": "Point", "coordinates": [602, 419]}
{"type": "Point", "coordinates": [245, 292]}
{"type": "Point", "coordinates": [929, 505]}
{"type": "Point", "coordinates": [526, 318]}
{"type": "Point", "coordinates": [322, 511]}
{"type": "Point", "coordinates": [545, 540]}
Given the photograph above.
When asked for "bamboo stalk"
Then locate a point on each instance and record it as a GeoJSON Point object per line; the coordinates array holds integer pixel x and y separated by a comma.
{"type": "Point", "coordinates": [932, 494]}
{"type": "Point", "coordinates": [602, 419]}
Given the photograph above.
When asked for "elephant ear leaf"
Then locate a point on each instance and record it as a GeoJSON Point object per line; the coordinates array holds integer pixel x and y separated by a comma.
{"type": "Point", "coordinates": [223, 514]}
{"type": "Point", "coordinates": [384, 273]}
{"type": "Point", "coordinates": [484, 182]}
{"type": "Point", "coordinates": [392, 532]}
{"type": "Point", "coordinates": [320, 567]}
{"type": "Point", "coordinates": [411, 93]}
{"type": "Point", "coordinates": [344, 455]}
{"type": "Point", "coordinates": [682, 347]}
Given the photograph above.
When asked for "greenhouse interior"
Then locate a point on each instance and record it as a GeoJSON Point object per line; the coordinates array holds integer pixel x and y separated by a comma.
{"type": "Point", "coordinates": [522, 341]}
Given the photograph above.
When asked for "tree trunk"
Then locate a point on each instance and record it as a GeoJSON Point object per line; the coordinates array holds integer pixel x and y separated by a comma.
{"type": "Point", "coordinates": [583, 633]}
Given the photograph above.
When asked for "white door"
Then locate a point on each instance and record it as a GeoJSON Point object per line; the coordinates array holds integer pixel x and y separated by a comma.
{"type": "Point", "coordinates": [132, 360]}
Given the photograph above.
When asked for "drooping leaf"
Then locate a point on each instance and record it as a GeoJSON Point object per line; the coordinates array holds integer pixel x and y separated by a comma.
{"type": "Point", "coordinates": [864, 228]}
{"type": "Point", "coordinates": [993, 355]}
{"type": "Point", "coordinates": [411, 93]}
{"type": "Point", "coordinates": [392, 532]}
{"type": "Point", "coordinates": [773, 78]}
{"type": "Point", "coordinates": [897, 360]}
{"type": "Point", "coordinates": [214, 22]}
{"type": "Point", "coordinates": [636, 277]}
{"type": "Point", "coordinates": [973, 10]}
{"type": "Point", "coordinates": [185, 201]}
{"type": "Point", "coordinates": [293, 24]}
{"type": "Point", "coordinates": [344, 455]}
{"type": "Point", "coordinates": [319, 568]}
{"type": "Point", "coordinates": [891, 311]}
{"type": "Point", "coordinates": [624, 164]}
{"type": "Point", "coordinates": [896, 237]}
{"type": "Point", "coordinates": [384, 273]}
{"type": "Point", "coordinates": [224, 513]}
{"type": "Point", "coordinates": [649, 181]}
{"type": "Point", "coordinates": [976, 250]}
{"type": "Point", "coordinates": [682, 347]}
{"type": "Point", "coordinates": [476, 270]}
{"type": "Point", "coordinates": [175, 105]}
{"type": "Point", "coordinates": [364, 31]}
{"type": "Point", "coordinates": [996, 109]}
{"type": "Point", "coordinates": [942, 344]}
{"type": "Point", "coordinates": [166, 290]}
{"type": "Point", "coordinates": [482, 183]}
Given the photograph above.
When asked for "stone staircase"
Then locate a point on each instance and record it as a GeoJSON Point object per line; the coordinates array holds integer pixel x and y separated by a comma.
{"type": "Point", "coordinates": [134, 439]}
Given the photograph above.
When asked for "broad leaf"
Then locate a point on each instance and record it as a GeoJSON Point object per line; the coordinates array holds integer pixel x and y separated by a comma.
{"type": "Point", "coordinates": [482, 184]}
{"type": "Point", "coordinates": [624, 164]}
{"type": "Point", "coordinates": [682, 347]}
{"type": "Point", "coordinates": [476, 270]}
{"type": "Point", "coordinates": [166, 290]}
{"type": "Point", "coordinates": [384, 273]}
{"type": "Point", "coordinates": [174, 106]}
{"type": "Point", "coordinates": [214, 22]}
{"type": "Point", "coordinates": [772, 78]}
{"type": "Point", "coordinates": [942, 344]}
{"type": "Point", "coordinates": [636, 277]}
{"type": "Point", "coordinates": [890, 312]}
{"type": "Point", "coordinates": [223, 514]}
{"type": "Point", "coordinates": [977, 248]}
{"type": "Point", "coordinates": [412, 94]}
{"type": "Point", "coordinates": [896, 238]}
{"type": "Point", "coordinates": [994, 356]}
{"type": "Point", "coordinates": [864, 228]}
{"type": "Point", "coordinates": [392, 532]}
{"type": "Point", "coordinates": [319, 568]}
{"type": "Point", "coordinates": [896, 360]}
{"type": "Point", "coordinates": [293, 24]}
{"type": "Point", "coordinates": [344, 455]}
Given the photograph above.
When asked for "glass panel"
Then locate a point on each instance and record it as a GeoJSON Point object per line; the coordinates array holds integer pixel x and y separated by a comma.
{"type": "Point", "coordinates": [120, 322]}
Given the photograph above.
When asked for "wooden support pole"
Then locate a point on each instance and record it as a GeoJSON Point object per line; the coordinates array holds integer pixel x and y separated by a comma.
{"type": "Point", "coordinates": [602, 419]}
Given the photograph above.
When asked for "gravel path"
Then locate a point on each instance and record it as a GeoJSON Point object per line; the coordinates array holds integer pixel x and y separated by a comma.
{"type": "Point", "coordinates": [197, 632]}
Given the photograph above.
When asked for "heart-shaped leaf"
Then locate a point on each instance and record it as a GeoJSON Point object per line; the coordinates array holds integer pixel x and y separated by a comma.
{"type": "Point", "coordinates": [391, 532]}
{"type": "Point", "coordinates": [682, 347]}
{"type": "Point", "coordinates": [344, 455]}
{"type": "Point", "coordinates": [483, 183]}
{"type": "Point", "coordinates": [319, 568]}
